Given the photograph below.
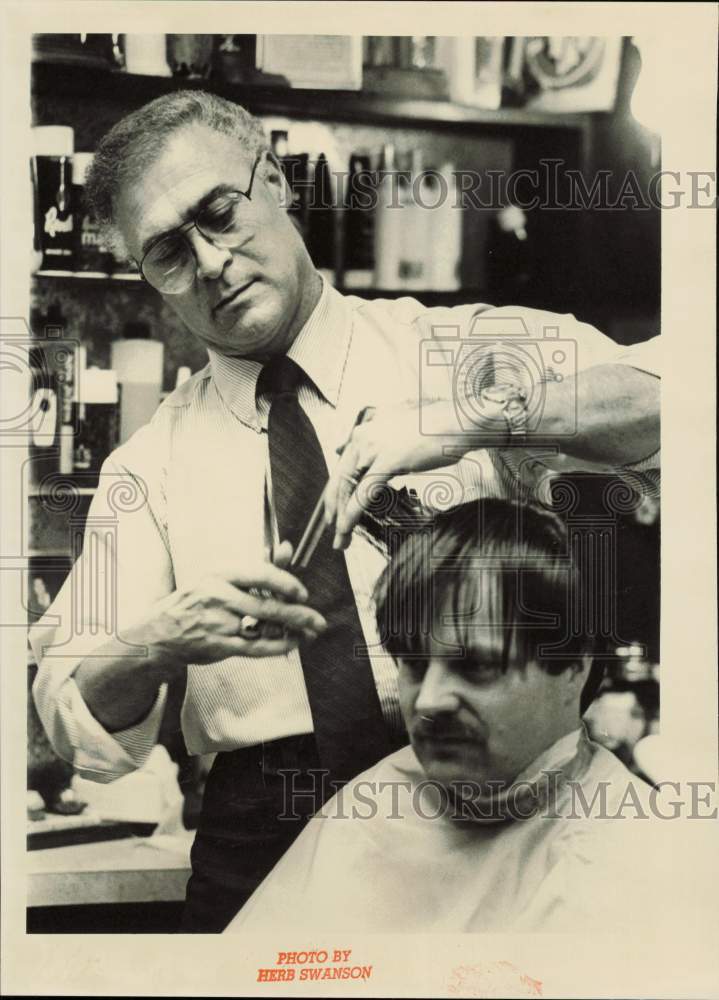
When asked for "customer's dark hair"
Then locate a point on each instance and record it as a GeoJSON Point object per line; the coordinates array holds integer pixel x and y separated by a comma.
{"type": "Point", "coordinates": [494, 570]}
{"type": "Point", "coordinates": [134, 142]}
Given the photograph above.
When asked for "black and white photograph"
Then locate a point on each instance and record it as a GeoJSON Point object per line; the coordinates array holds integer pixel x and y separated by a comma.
{"type": "Point", "coordinates": [347, 626]}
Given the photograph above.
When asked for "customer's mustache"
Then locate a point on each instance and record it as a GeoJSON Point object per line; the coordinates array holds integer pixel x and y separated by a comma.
{"type": "Point", "coordinates": [444, 728]}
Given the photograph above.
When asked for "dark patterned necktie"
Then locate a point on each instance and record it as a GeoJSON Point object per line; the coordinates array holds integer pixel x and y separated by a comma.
{"type": "Point", "coordinates": [349, 729]}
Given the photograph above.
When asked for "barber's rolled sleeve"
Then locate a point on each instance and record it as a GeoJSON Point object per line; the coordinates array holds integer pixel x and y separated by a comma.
{"type": "Point", "coordinates": [94, 753]}
{"type": "Point", "coordinates": [123, 569]}
{"type": "Point", "coordinates": [647, 356]}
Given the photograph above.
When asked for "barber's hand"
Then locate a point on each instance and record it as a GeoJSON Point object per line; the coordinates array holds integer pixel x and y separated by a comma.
{"type": "Point", "coordinates": [202, 623]}
{"type": "Point", "coordinates": [387, 445]}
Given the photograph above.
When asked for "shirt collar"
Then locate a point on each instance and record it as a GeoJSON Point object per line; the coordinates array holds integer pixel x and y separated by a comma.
{"type": "Point", "coordinates": [320, 349]}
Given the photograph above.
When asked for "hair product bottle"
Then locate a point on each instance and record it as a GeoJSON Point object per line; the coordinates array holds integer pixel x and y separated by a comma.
{"type": "Point", "coordinates": [91, 254]}
{"type": "Point", "coordinates": [445, 243]}
{"type": "Point", "coordinates": [417, 220]}
{"type": "Point", "coordinates": [53, 148]}
{"type": "Point", "coordinates": [138, 363]}
{"type": "Point", "coordinates": [392, 198]}
{"type": "Point", "coordinates": [359, 222]}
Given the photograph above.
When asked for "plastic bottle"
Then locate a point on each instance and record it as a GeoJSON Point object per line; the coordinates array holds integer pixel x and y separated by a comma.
{"type": "Point", "coordinates": [474, 69]}
{"type": "Point", "coordinates": [146, 54]}
{"type": "Point", "coordinates": [92, 256]}
{"type": "Point", "coordinates": [359, 222]}
{"type": "Point", "coordinates": [392, 197]}
{"type": "Point", "coordinates": [417, 220]}
{"type": "Point", "coordinates": [138, 363]}
{"type": "Point", "coordinates": [445, 243]}
{"type": "Point", "coordinates": [97, 423]}
{"type": "Point", "coordinates": [320, 237]}
{"type": "Point", "coordinates": [53, 148]}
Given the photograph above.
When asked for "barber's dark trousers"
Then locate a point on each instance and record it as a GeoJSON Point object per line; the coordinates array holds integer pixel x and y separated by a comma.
{"type": "Point", "coordinates": [251, 814]}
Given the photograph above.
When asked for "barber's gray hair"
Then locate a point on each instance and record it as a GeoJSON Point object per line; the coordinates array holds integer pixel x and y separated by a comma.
{"type": "Point", "coordinates": [135, 142]}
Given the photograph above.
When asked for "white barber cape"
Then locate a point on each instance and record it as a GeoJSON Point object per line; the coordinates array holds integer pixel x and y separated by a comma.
{"type": "Point", "coordinates": [378, 859]}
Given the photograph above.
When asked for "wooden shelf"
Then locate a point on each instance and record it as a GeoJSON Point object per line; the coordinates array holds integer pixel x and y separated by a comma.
{"type": "Point", "coordinates": [428, 296]}
{"type": "Point", "coordinates": [50, 554]}
{"type": "Point", "coordinates": [132, 90]}
{"type": "Point", "coordinates": [80, 491]}
{"type": "Point", "coordinates": [89, 276]}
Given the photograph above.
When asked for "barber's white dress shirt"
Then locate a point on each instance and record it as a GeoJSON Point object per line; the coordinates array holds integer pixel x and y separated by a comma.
{"type": "Point", "coordinates": [386, 856]}
{"type": "Point", "coordinates": [185, 497]}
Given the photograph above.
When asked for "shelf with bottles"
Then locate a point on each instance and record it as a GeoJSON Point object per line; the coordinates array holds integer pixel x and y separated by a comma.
{"type": "Point", "coordinates": [444, 255]}
{"type": "Point", "coordinates": [133, 90]}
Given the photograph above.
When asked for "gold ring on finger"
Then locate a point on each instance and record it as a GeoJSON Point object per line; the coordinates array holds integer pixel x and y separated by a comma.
{"type": "Point", "coordinates": [249, 627]}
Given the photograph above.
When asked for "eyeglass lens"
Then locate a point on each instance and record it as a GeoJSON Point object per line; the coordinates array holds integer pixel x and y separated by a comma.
{"type": "Point", "coordinates": [170, 264]}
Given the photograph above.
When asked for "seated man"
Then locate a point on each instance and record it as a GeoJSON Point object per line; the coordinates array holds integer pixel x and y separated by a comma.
{"type": "Point", "coordinates": [497, 816]}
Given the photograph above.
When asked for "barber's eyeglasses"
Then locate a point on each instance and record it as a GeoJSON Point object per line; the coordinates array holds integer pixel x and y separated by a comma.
{"type": "Point", "coordinates": [170, 264]}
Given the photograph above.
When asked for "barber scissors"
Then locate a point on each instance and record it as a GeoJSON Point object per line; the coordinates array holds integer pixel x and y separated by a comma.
{"type": "Point", "coordinates": [253, 628]}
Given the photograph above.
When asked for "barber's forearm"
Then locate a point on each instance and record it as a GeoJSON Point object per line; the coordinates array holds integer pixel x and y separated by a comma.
{"type": "Point", "coordinates": [605, 414]}
{"type": "Point", "coordinates": [120, 689]}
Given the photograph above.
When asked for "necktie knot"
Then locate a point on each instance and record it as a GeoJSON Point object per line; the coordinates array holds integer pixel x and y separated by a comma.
{"type": "Point", "coordinates": [281, 375]}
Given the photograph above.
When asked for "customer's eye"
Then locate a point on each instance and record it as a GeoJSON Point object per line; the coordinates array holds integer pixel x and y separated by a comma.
{"type": "Point", "coordinates": [488, 671]}
{"type": "Point", "coordinates": [415, 666]}
{"type": "Point", "coordinates": [479, 671]}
